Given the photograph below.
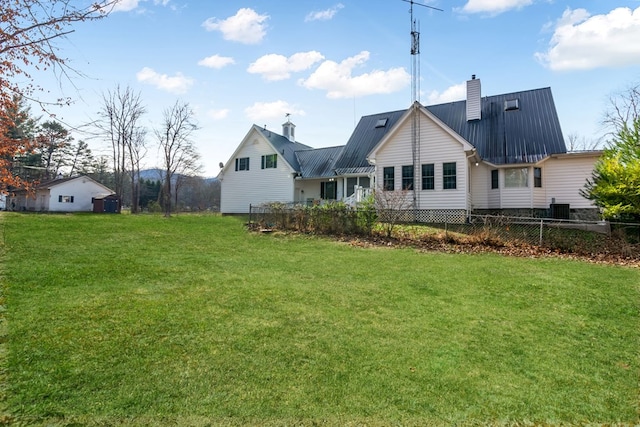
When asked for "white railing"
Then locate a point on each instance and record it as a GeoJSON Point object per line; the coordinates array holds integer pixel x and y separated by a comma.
{"type": "Point", "coordinates": [359, 195]}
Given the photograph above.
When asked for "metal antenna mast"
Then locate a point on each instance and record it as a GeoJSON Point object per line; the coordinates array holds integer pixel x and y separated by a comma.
{"type": "Point", "coordinates": [415, 98]}
{"type": "Point", "coordinates": [415, 51]}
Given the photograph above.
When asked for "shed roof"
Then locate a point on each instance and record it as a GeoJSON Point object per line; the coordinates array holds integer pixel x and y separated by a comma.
{"type": "Point", "coordinates": [47, 185]}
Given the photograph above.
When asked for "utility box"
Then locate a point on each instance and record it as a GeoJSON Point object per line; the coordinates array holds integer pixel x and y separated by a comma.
{"type": "Point", "coordinates": [560, 211]}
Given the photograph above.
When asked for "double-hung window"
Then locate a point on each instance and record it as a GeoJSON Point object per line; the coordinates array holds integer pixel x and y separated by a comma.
{"type": "Point", "coordinates": [407, 177]}
{"type": "Point", "coordinates": [494, 179]}
{"type": "Point", "coordinates": [242, 164]}
{"type": "Point", "coordinates": [428, 177]}
{"type": "Point", "coordinates": [65, 199]}
{"type": "Point", "coordinates": [270, 161]}
{"type": "Point", "coordinates": [388, 183]}
{"type": "Point", "coordinates": [537, 177]}
{"type": "Point", "coordinates": [449, 176]}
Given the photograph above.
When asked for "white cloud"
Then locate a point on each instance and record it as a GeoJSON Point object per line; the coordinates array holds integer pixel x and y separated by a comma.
{"type": "Point", "coordinates": [452, 93]}
{"type": "Point", "coordinates": [246, 26]}
{"type": "Point", "coordinates": [271, 110]}
{"type": "Point", "coordinates": [581, 41]}
{"type": "Point", "coordinates": [174, 84]}
{"type": "Point", "coordinates": [125, 5]}
{"type": "Point", "coordinates": [278, 67]}
{"type": "Point", "coordinates": [218, 114]}
{"type": "Point", "coordinates": [324, 15]}
{"type": "Point", "coordinates": [338, 81]}
{"type": "Point", "coordinates": [129, 5]}
{"type": "Point", "coordinates": [493, 7]}
{"type": "Point", "coordinates": [216, 61]}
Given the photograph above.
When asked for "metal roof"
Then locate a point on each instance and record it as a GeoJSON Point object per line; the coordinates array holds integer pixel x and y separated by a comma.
{"type": "Point", "coordinates": [504, 134]}
{"type": "Point", "coordinates": [365, 136]}
{"type": "Point", "coordinates": [526, 134]}
{"type": "Point", "coordinates": [319, 162]}
{"type": "Point", "coordinates": [284, 147]}
{"type": "Point", "coordinates": [356, 171]}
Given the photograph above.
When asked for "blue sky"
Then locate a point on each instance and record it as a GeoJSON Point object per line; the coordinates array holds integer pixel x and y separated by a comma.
{"type": "Point", "coordinates": [328, 63]}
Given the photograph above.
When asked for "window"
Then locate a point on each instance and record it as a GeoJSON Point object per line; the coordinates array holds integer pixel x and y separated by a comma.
{"type": "Point", "coordinates": [351, 184]}
{"type": "Point", "coordinates": [65, 199]}
{"type": "Point", "coordinates": [494, 179]}
{"type": "Point", "coordinates": [537, 177]}
{"type": "Point", "coordinates": [328, 190]}
{"type": "Point", "coordinates": [428, 177]}
{"type": "Point", "coordinates": [270, 161]}
{"type": "Point", "coordinates": [516, 177]}
{"type": "Point", "coordinates": [388, 183]}
{"type": "Point", "coordinates": [407, 177]}
{"type": "Point", "coordinates": [242, 164]}
{"type": "Point", "coordinates": [449, 176]}
{"type": "Point", "coordinates": [362, 181]}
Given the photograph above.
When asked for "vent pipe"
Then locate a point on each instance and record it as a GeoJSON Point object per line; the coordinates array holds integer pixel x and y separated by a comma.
{"type": "Point", "coordinates": [474, 104]}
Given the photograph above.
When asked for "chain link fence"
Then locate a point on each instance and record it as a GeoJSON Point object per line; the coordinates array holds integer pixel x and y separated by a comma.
{"type": "Point", "coordinates": [584, 237]}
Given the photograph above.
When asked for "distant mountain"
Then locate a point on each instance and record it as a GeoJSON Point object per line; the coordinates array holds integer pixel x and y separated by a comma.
{"type": "Point", "coordinates": [151, 174]}
{"type": "Point", "coordinates": [157, 174]}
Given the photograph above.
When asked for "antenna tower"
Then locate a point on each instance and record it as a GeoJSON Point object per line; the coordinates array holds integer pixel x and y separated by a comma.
{"type": "Point", "coordinates": [415, 98]}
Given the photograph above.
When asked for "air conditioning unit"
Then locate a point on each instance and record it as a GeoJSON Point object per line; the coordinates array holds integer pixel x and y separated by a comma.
{"type": "Point", "coordinates": [560, 211]}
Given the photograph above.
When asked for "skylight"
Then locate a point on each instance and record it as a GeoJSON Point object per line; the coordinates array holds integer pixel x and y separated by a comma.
{"type": "Point", "coordinates": [511, 105]}
{"type": "Point", "coordinates": [381, 123]}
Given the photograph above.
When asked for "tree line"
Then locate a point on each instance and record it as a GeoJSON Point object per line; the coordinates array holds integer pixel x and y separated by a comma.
{"type": "Point", "coordinates": [32, 151]}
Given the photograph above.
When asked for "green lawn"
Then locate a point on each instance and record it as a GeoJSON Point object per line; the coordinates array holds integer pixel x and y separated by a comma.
{"type": "Point", "coordinates": [191, 320]}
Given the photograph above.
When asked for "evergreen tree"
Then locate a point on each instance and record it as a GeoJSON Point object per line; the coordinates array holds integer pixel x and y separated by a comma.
{"type": "Point", "coordinates": [53, 145]}
{"type": "Point", "coordinates": [615, 183]}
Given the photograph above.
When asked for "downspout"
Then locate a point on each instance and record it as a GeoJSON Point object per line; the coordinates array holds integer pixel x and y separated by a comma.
{"type": "Point", "coordinates": [469, 194]}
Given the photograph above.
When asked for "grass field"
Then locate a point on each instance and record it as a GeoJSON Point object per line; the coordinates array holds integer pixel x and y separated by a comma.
{"type": "Point", "coordinates": [191, 320]}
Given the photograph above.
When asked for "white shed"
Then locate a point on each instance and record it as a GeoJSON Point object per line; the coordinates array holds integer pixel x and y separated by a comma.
{"type": "Point", "coordinates": [73, 194]}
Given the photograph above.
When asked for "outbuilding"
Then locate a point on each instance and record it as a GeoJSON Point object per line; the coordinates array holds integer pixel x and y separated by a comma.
{"type": "Point", "coordinates": [73, 194]}
{"type": "Point", "coordinates": [106, 204]}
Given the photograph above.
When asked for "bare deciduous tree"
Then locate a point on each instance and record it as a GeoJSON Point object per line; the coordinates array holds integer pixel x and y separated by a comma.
{"type": "Point", "coordinates": [623, 109]}
{"type": "Point", "coordinates": [120, 124]}
{"type": "Point", "coordinates": [28, 32]}
{"type": "Point", "coordinates": [392, 206]}
{"type": "Point", "coordinates": [576, 142]}
{"type": "Point", "coordinates": [179, 154]}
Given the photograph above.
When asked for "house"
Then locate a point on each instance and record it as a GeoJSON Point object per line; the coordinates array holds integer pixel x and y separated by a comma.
{"type": "Point", "coordinates": [75, 194]}
{"type": "Point", "coordinates": [494, 154]}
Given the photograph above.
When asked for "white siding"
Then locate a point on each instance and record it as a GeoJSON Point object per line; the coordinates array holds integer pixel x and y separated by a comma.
{"type": "Point", "coordinates": [485, 197]}
{"type": "Point", "coordinates": [516, 198]}
{"type": "Point", "coordinates": [310, 189]}
{"type": "Point", "coordinates": [474, 103]}
{"type": "Point", "coordinates": [437, 147]}
{"type": "Point", "coordinates": [564, 177]}
{"type": "Point", "coordinates": [482, 197]}
{"type": "Point", "coordinates": [239, 189]}
{"type": "Point", "coordinates": [82, 190]}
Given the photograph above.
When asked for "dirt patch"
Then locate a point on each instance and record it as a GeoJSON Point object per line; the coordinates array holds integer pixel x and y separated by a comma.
{"type": "Point", "coordinates": [452, 245]}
